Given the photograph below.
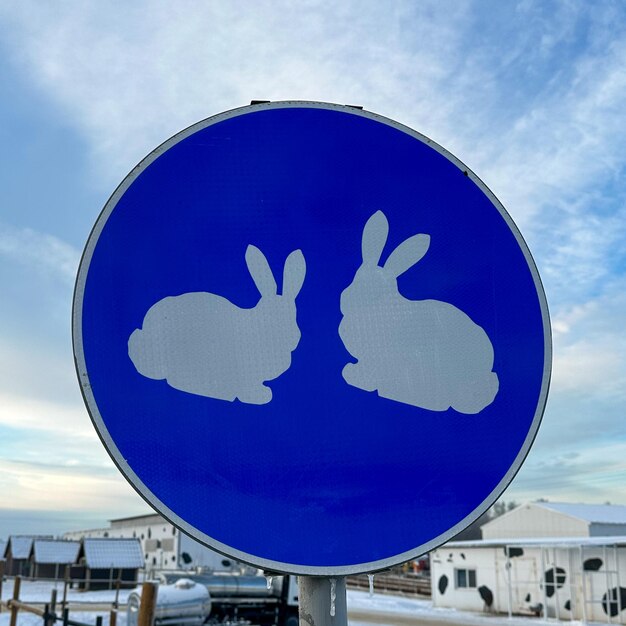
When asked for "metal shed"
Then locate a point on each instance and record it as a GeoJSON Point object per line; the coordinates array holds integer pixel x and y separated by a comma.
{"type": "Point", "coordinates": [50, 557]}
{"type": "Point", "coordinates": [105, 561]}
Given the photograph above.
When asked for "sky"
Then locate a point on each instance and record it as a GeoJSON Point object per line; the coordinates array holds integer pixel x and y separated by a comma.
{"type": "Point", "coordinates": [530, 95]}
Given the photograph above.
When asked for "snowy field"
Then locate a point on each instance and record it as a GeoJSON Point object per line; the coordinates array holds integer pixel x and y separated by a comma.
{"type": "Point", "coordinates": [364, 609]}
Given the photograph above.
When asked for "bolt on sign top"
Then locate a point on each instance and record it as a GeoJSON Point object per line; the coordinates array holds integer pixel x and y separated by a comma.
{"type": "Point", "coordinates": [311, 338]}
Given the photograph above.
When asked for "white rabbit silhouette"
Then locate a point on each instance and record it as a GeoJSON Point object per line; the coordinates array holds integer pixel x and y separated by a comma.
{"type": "Point", "coordinates": [426, 353]}
{"type": "Point", "coordinates": [204, 344]}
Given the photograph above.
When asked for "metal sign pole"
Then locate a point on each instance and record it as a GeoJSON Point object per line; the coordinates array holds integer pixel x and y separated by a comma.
{"type": "Point", "coordinates": [322, 601]}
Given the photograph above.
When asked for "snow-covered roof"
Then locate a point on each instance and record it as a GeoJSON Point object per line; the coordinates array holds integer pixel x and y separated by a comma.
{"type": "Point", "coordinates": [113, 553]}
{"type": "Point", "coordinates": [20, 546]}
{"type": "Point", "coordinates": [538, 542]}
{"type": "Point", "coordinates": [145, 516]}
{"type": "Point", "coordinates": [592, 513]}
{"type": "Point", "coordinates": [55, 551]}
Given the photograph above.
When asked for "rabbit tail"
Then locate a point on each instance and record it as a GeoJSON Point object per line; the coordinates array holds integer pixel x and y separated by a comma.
{"type": "Point", "coordinates": [146, 361]}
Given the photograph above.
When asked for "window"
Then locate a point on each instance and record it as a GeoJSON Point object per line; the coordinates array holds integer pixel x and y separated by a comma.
{"type": "Point", "coordinates": [465, 578]}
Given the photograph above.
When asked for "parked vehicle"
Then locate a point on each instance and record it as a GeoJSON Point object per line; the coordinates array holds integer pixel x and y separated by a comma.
{"type": "Point", "coordinates": [255, 599]}
{"type": "Point", "coordinates": [185, 602]}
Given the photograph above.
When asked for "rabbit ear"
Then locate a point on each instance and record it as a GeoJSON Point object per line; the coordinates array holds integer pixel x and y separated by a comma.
{"type": "Point", "coordinates": [407, 254]}
{"type": "Point", "coordinates": [374, 238]}
{"type": "Point", "coordinates": [293, 274]}
{"type": "Point", "coordinates": [260, 271]}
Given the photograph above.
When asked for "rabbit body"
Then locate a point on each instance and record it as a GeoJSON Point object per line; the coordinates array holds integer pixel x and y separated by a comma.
{"type": "Point", "coordinates": [203, 344]}
{"type": "Point", "coordinates": [426, 353]}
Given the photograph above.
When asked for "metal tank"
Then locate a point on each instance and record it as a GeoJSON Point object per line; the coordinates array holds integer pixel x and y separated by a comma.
{"type": "Point", "coordinates": [230, 585]}
{"type": "Point", "coordinates": [184, 602]}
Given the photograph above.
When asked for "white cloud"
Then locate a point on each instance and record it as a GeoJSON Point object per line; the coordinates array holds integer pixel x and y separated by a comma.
{"type": "Point", "coordinates": [35, 372]}
{"type": "Point", "coordinates": [42, 251]}
{"type": "Point", "coordinates": [590, 346]}
{"type": "Point", "coordinates": [132, 77]}
{"type": "Point", "coordinates": [27, 413]}
{"type": "Point", "coordinates": [589, 473]}
{"type": "Point", "coordinates": [25, 485]}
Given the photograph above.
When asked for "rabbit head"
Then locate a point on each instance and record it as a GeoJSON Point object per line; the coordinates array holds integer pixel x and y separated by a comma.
{"type": "Point", "coordinates": [372, 282]}
{"type": "Point", "coordinates": [277, 313]}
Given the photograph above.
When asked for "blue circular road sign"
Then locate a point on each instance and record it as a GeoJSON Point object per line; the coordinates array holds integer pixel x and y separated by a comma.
{"type": "Point", "coordinates": [311, 338]}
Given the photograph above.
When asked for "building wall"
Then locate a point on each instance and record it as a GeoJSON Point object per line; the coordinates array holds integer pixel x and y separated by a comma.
{"type": "Point", "coordinates": [48, 570]}
{"type": "Point", "coordinates": [566, 583]}
{"type": "Point", "coordinates": [202, 556]}
{"type": "Point", "coordinates": [607, 530]}
{"type": "Point", "coordinates": [163, 545]}
{"type": "Point", "coordinates": [530, 520]}
{"type": "Point", "coordinates": [17, 567]}
{"type": "Point", "coordinates": [444, 565]}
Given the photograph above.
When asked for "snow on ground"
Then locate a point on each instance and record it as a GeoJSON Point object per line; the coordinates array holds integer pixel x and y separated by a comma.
{"type": "Point", "coordinates": [364, 609]}
{"type": "Point", "coordinates": [39, 591]}
{"type": "Point", "coordinates": [385, 610]}
{"type": "Point", "coordinates": [28, 619]}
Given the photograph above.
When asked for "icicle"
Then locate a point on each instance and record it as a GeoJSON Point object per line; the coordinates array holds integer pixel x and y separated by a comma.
{"type": "Point", "coordinates": [333, 595]}
{"type": "Point", "coordinates": [370, 577]}
{"type": "Point", "coordinates": [269, 580]}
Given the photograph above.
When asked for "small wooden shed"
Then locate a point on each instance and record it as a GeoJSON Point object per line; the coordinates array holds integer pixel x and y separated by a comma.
{"type": "Point", "coordinates": [105, 561]}
{"type": "Point", "coordinates": [17, 554]}
{"type": "Point", "coordinates": [49, 558]}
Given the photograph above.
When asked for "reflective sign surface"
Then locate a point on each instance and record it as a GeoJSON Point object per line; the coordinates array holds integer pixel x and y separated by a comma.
{"type": "Point", "coordinates": [311, 338]}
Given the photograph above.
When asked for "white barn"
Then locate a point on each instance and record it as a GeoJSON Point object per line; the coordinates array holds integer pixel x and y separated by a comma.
{"type": "Point", "coordinates": [557, 519]}
{"type": "Point", "coordinates": [163, 545]}
{"type": "Point", "coordinates": [557, 560]}
{"type": "Point", "coordinates": [570, 578]}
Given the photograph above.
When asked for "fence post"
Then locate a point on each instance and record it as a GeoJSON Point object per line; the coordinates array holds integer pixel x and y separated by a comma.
{"type": "Point", "coordinates": [66, 583]}
{"type": "Point", "coordinates": [113, 618]}
{"type": "Point", "coordinates": [17, 581]}
{"type": "Point", "coordinates": [147, 605]}
{"type": "Point", "coordinates": [51, 617]}
{"type": "Point", "coordinates": [66, 616]}
{"type": "Point", "coordinates": [2, 569]}
{"type": "Point", "coordinates": [99, 620]}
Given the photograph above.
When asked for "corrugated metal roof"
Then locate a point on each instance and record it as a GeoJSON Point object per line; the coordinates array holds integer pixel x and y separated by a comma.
{"type": "Point", "coordinates": [56, 551]}
{"type": "Point", "coordinates": [113, 553]}
{"type": "Point", "coordinates": [592, 513]}
{"type": "Point", "coordinates": [538, 542]}
{"type": "Point", "coordinates": [20, 546]}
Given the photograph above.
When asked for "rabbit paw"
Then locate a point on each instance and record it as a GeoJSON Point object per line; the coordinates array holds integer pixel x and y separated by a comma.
{"type": "Point", "coordinates": [357, 376]}
{"type": "Point", "coordinates": [256, 395]}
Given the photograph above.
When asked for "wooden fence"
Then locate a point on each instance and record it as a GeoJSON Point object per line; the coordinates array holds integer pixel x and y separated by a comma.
{"type": "Point", "coordinates": [55, 611]}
